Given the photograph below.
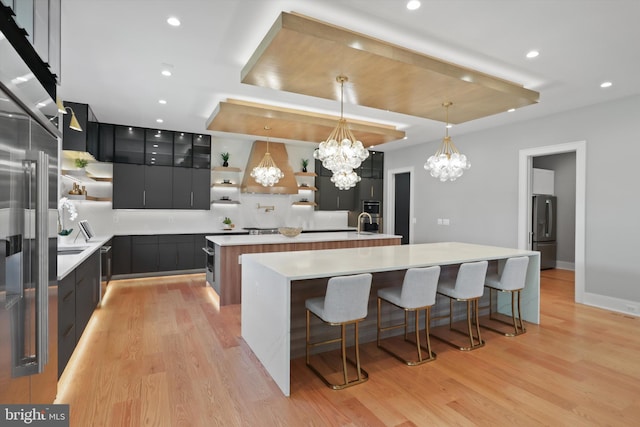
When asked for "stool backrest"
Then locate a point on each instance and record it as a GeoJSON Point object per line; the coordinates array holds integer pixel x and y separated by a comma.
{"type": "Point", "coordinates": [514, 273]}
{"type": "Point", "coordinates": [470, 280]}
{"type": "Point", "coordinates": [419, 287]}
{"type": "Point", "coordinates": [347, 298]}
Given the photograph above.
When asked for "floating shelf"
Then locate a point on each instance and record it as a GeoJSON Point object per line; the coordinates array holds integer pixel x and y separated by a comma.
{"type": "Point", "coordinates": [308, 188]}
{"type": "Point", "coordinates": [226, 202]}
{"type": "Point", "coordinates": [305, 204]}
{"type": "Point", "coordinates": [99, 199]}
{"type": "Point", "coordinates": [223, 185]}
{"type": "Point", "coordinates": [305, 174]}
{"type": "Point", "coordinates": [226, 169]}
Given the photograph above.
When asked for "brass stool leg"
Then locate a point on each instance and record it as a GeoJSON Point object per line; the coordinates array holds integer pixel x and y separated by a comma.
{"type": "Point", "coordinates": [469, 323]}
{"type": "Point", "coordinates": [427, 322]}
{"type": "Point", "coordinates": [307, 342]}
{"type": "Point", "coordinates": [343, 344]}
{"type": "Point", "coordinates": [357, 353]}
{"type": "Point", "coordinates": [477, 318]}
{"type": "Point", "coordinates": [417, 327]}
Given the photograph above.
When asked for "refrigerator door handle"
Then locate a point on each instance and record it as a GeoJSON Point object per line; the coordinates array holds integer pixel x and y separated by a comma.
{"type": "Point", "coordinates": [41, 160]}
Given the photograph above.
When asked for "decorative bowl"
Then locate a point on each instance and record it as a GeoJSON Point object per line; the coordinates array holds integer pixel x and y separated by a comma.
{"type": "Point", "coordinates": [290, 231]}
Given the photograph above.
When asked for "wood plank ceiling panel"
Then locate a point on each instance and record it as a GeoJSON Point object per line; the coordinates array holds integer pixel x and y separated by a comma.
{"type": "Point", "coordinates": [248, 118]}
{"type": "Point", "coordinates": [303, 55]}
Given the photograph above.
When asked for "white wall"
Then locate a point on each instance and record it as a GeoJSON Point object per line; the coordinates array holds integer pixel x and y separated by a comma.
{"type": "Point", "coordinates": [483, 203]}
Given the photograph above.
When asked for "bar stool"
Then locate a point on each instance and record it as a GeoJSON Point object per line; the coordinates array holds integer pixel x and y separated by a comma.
{"type": "Point", "coordinates": [345, 302]}
{"type": "Point", "coordinates": [511, 280]}
{"type": "Point", "coordinates": [468, 287]}
{"type": "Point", "coordinates": [417, 293]}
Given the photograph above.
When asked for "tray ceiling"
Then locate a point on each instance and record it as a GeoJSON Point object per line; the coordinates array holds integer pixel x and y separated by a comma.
{"type": "Point", "coordinates": [303, 55]}
{"type": "Point", "coordinates": [248, 118]}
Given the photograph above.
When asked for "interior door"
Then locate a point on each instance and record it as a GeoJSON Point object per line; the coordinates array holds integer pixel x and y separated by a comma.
{"type": "Point", "coordinates": [402, 206]}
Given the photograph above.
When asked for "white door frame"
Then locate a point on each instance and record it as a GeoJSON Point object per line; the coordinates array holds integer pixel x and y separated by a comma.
{"type": "Point", "coordinates": [389, 222]}
{"type": "Point", "coordinates": [524, 203]}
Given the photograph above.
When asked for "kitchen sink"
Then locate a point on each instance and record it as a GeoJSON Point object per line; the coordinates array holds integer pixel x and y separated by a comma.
{"type": "Point", "coordinates": [71, 250]}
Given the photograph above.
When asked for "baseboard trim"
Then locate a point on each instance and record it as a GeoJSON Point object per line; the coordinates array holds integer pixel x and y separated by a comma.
{"type": "Point", "coordinates": [566, 265]}
{"type": "Point", "coordinates": [612, 304]}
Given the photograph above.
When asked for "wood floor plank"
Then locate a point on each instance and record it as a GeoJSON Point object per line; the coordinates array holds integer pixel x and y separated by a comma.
{"type": "Point", "coordinates": [161, 351]}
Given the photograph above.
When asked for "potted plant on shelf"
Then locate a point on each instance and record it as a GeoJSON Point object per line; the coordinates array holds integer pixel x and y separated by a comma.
{"type": "Point", "coordinates": [65, 204]}
{"type": "Point", "coordinates": [225, 159]}
{"type": "Point", "coordinates": [228, 224]}
{"type": "Point", "coordinates": [305, 163]}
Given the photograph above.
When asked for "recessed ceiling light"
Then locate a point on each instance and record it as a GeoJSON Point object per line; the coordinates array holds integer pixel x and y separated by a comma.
{"type": "Point", "coordinates": [511, 110]}
{"type": "Point", "coordinates": [413, 4]}
{"type": "Point", "coordinates": [162, 101]}
{"type": "Point", "coordinates": [532, 54]}
{"type": "Point", "coordinates": [166, 73]}
{"type": "Point", "coordinates": [159, 120]}
{"type": "Point", "coordinates": [173, 21]}
{"type": "Point", "coordinates": [155, 145]}
{"type": "Point", "coordinates": [606, 84]}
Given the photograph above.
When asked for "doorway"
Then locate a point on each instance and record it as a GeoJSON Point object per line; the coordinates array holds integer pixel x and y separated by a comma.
{"type": "Point", "coordinates": [525, 201]}
{"type": "Point", "coordinates": [399, 207]}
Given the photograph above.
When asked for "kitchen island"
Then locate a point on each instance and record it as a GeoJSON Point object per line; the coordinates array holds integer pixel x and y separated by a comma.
{"type": "Point", "coordinates": [229, 250]}
{"type": "Point", "coordinates": [272, 283]}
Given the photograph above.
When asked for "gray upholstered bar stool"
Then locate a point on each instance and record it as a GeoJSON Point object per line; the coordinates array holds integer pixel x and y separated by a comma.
{"type": "Point", "coordinates": [511, 280]}
{"type": "Point", "coordinates": [417, 293]}
{"type": "Point", "coordinates": [468, 287]}
{"type": "Point", "coordinates": [345, 302]}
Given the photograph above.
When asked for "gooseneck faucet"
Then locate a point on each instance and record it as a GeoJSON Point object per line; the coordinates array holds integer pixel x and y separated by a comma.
{"type": "Point", "coordinates": [360, 219]}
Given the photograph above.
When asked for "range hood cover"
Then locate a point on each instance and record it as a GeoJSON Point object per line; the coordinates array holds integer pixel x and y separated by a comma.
{"type": "Point", "coordinates": [286, 185]}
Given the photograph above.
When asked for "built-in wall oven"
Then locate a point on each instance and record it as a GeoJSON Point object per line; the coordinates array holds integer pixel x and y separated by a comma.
{"type": "Point", "coordinates": [372, 207]}
{"type": "Point", "coordinates": [210, 252]}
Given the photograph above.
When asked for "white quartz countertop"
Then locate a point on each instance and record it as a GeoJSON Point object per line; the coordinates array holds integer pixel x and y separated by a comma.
{"type": "Point", "coordinates": [334, 262]}
{"type": "Point", "coordinates": [272, 239]}
{"type": "Point", "coordinates": [67, 263]}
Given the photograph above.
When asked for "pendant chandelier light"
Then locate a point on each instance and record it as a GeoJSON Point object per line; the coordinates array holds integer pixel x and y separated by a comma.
{"type": "Point", "coordinates": [267, 173]}
{"type": "Point", "coordinates": [447, 164]}
{"type": "Point", "coordinates": [341, 152]}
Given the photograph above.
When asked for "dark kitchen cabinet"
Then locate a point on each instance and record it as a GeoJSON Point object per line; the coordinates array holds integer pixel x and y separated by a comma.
{"type": "Point", "coordinates": [105, 142]}
{"type": "Point", "coordinates": [142, 187]}
{"type": "Point", "coordinates": [372, 166]}
{"type": "Point", "coordinates": [128, 186]}
{"type": "Point", "coordinates": [144, 254]}
{"type": "Point", "coordinates": [128, 146]}
{"type": "Point", "coordinates": [183, 149]}
{"type": "Point", "coordinates": [331, 198]}
{"type": "Point", "coordinates": [78, 296]}
{"type": "Point", "coordinates": [121, 255]}
{"type": "Point", "coordinates": [158, 147]}
{"type": "Point", "coordinates": [158, 184]}
{"type": "Point", "coordinates": [199, 257]}
{"type": "Point", "coordinates": [191, 188]}
{"type": "Point", "coordinates": [85, 140]}
{"type": "Point", "coordinates": [370, 189]}
{"type": "Point", "coordinates": [201, 152]}
{"type": "Point", "coordinates": [175, 252]}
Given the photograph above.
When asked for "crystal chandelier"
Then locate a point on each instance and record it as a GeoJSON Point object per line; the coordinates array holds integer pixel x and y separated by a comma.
{"type": "Point", "coordinates": [447, 164]}
{"type": "Point", "coordinates": [267, 173]}
{"type": "Point", "coordinates": [341, 153]}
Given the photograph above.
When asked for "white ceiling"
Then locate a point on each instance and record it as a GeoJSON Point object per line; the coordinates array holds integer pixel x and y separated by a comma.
{"type": "Point", "coordinates": [114, 50]}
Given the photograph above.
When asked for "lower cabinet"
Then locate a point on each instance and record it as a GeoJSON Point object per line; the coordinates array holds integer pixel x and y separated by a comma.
{"type": "Point", "coordinates": [78, 296]}
{"type": "Point", "coordinates": [150, 254]}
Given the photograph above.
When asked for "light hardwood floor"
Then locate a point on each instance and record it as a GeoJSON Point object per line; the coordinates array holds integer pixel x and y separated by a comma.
{"type": "Point", "coordinates": [161, 352]}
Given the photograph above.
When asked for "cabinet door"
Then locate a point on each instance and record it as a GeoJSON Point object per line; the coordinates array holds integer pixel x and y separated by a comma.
{"type": "Point", "coordinates": [175, 252]}
{"type": "Point", "coordinates": [128, 145]}
{"type": "Point", "coordinates": [199, 257]}
{"type": "Point", "coordinates": [183, 150]}
{"type": "Point", "coordinates": [128, 186]}
{"type": "Point", "coordinates": [182, 188]}
{"type": "Point", "coordinates": [158, 183]}
{"type": "Point", "coordinates": [346, 199]}
{"type": "Point", "coordinates": [93, 133]}
{"type": "Point", "coordinates": [201, 188]}
{"type": "Point", "coordinates": [87, 291]}
{"type": "Point", "coordinates": [202, 152]}
{"type": "Point", "coordinates": [66, 319]}
{"type": "Point", "coordinates": [327, 194]}
{"type": "Point", "coordinates": [144, 254]}
{"type": "Point", "coordinates": [158, 147]}
{"type": "Point", "coordinates": [105, 142]}
{"type": "Point", "coordinates": [121, 255]}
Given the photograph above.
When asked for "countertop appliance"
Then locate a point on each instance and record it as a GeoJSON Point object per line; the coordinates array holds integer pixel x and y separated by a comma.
{"type": "Point", "coordinates": [543, 235]}
{"type": "Point", "coordinates": [28, 237]}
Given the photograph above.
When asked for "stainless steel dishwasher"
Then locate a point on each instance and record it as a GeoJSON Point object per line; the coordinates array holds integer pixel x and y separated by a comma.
{"type": "Point", "coordinates": [209, 249]}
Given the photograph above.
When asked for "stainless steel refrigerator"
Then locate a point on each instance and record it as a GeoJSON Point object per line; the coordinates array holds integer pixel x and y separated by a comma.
{"type": "Point", "coordinates": [544, 229]}
{"type": "Point", "coordinates": [28, 235]}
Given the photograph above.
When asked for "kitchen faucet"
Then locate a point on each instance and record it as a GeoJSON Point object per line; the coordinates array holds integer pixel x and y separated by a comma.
{"type": "Point", "coordinates": [360, 218]}
{"type": "Point", "coordinates": [266, 208]}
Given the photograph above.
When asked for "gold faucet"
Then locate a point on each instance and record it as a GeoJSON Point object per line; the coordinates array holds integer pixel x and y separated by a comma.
{"type": "Point", "coordinates": [360, 218]}
{"type": "Point", "coordinates": [266, 208]}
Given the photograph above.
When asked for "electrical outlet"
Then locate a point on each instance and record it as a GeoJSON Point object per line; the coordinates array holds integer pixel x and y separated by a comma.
{"type": "Point", "coordinates": [446, 221]}
{"type": "Point", "coordinates": [439, 221]}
